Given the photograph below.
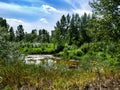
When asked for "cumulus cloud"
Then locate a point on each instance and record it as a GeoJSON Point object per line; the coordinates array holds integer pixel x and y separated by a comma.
{"type": "Point", "coordinates": [15, 22]}
{"type": "Point", "coordinates": [27, 9]}
{"type": "Point", "coordinates": [45, 14]}
{"type": "Point", "coordinates": [28, 26]}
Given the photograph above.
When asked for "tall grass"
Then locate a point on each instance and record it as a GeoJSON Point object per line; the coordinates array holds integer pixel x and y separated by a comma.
{"type": "Point", "coordinates": [20, 75]}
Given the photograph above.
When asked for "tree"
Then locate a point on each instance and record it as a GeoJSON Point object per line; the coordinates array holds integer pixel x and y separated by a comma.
{"type": "Point", "coordinates": [71, 30]}
{"type": "Point", "coordinates": [3, 23]}
{"type": "Point", "coordinates": [34, 35]}
{"type": "Point", "coordinates": [61, 33]}
{"type": "Point", "coordinates": [3, 28]}
{"type": "Point", "coordinates": [43, 36]}
{"type": "Point", "coordinates": [83, 28]}
{"type": "Point", "coordinates": [108, 13]}
{"type": "Point", "coordinates": [3, 39]}
{"type": "Point", "coordinates": [74, 29]}
{"type": "Point", "coordinates": [11, 34]}
{"type": "Point", "coordinates": [7, 50]}
{"type": "Point", "coordinates": [28, 37]}
{"type": "Point", "coordinates": [20, 33]}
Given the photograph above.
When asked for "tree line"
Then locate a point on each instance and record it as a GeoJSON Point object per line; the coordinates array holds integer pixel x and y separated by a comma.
{"type": "Point", "coordinates": [69, 29]}
{"type": "Point", "coordinates": [20, 35]}
{"type": "Point", "coordinates": [102, 25]}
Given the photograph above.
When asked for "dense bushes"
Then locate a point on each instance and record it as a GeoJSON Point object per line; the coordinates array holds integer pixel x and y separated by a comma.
{"type": "Point", "coordinates": [33, 48]}
{"type": "Point", "coordinates": [104, 54]}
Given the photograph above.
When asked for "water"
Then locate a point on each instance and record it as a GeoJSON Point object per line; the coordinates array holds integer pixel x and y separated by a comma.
{"type": "Point", "coordinates": [49, 60]}
{"type": "Point", "coordinates": [37, 59]}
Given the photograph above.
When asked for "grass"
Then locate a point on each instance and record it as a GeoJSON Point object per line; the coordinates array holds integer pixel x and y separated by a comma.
{"type": "Point", "coordinates": [56, 78]}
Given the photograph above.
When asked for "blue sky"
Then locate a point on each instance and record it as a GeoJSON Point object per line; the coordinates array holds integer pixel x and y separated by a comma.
{"type": "Point", "coordinates": [38, 14]}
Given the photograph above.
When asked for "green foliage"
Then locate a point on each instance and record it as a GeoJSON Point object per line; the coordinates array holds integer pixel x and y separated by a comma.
{"type": "Point", "coordinates": [71, 30]}
{"type": "Point", "coordinates": [6, 88]}
{"type": "Point", "coordinates": [33, 36]}
{"type": "Point", "coordinates": [69, 52]}
{"type": "Point", "coordinates": [20, 33]}
{"type": "Point", "coordinates": [43, 36]}
{"type": "Point", "coordinates": [11, 34]}
{"type": "Point", "coordinates": [109, 22]}
{"type": "Point", "coordinates": [37, 48]}
{"type": "Point", "coordinates": [3, 23]}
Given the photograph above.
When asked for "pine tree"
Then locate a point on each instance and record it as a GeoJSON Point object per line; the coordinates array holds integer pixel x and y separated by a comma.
{"type": "Point", "coordinates": [11, 34]}
{"type": "Point", "coordinates": [20, 33]}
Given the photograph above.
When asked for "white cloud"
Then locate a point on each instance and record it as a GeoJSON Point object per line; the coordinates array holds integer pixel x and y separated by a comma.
{"type": "Point", "coordinates": [18, 8]}
{"type": "Point", "coordinates": [81, 11]}
{"type": "Point", "coordinates": [27, 9]}
{"type": "Point", "coordinates": [78, 3]}
{"type": "Point", "coordinates": [40, 23]}
{"type": "Point", "coordinates": [15, 22]}
{"type": "Point", "coordinates": [28, 26]}
{"type": "Point", "coordinates": [49, 9]}
{"type": "Point", "coordinates": [46, 14]}
{"type": "Point", "coordinates": [43, 20]}
{"type": "Point", "coordinates": [80, 6]}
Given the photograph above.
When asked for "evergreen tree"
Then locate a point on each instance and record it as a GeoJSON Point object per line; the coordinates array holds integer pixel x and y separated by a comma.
{"type": "Point", "coordinates": [20, 33]}
{"type": "Point", "coordinates": [34, 35]}
{"type": "Point", "coordinates": [3, 23]}
{"type": "Point", "coordinates": [28, 37]}
{"type": "Point", "coordinates": [61, 33]}
{"type": "Point", "coordinates": [43, 36]}
{"type": "Point", "coordinates": [83, 28]}
{"type": "Point", "coordinates": [74, 29]}
{"type": "Point", "coordinates": [71, 30]}
{"type": "Point", "coordinates": [11, 34]}
{"type": "Point", "coordinates": [7, 50]}
{"type": "Point", "coordinates": [3, 28]}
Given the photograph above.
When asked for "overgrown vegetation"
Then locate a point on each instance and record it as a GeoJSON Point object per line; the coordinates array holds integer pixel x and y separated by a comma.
{"type": "Point", "coordinates": [91, 39]}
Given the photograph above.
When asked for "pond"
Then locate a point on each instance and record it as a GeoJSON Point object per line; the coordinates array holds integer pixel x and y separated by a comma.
{"type": "Point", "coordinates": [50, 60]}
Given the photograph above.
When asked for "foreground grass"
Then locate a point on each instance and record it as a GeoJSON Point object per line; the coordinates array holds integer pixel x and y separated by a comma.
{"type": "Point", "coordinates": [19, 76]}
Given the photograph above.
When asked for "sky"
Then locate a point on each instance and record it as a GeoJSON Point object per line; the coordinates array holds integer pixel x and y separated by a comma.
{"type": "Point", "coordinates": [39, 14]}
